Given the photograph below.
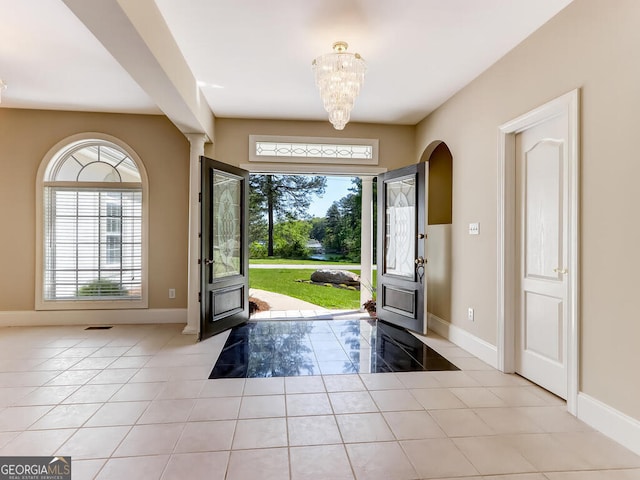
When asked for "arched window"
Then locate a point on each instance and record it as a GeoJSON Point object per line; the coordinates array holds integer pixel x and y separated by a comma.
{"type": "Point", "coordinates": [93, 218]}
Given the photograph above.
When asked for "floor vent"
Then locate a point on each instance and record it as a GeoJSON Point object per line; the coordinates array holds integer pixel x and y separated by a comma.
{"type": "Point", "coordinates": [99, 328]}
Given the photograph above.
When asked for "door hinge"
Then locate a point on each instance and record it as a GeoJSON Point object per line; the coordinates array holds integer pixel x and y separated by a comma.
{"type": "Point", "coordinates": [200, 197]}
{"type": "Point", "coordinates": [199, 297]}
{"type": "Point", "coordinates": [199, 262]}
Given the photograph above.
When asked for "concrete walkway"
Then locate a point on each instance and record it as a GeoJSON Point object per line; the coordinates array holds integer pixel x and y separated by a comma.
{"type": "Point", "coordinates": [277, 301]}
{"type": "Point", "coordinates": [285, 307]}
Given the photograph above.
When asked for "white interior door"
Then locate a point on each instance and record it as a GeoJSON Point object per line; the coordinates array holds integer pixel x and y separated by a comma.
{"type": "Point", "coordinates": [542, 253]}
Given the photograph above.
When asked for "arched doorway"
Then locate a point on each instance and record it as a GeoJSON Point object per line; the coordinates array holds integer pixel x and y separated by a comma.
{"type": "Point", "coordinates": [439, 220]}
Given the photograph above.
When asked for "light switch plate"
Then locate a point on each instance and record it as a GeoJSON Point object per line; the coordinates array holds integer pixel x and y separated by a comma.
{"type": "Point", "coordinates": [474, 229]}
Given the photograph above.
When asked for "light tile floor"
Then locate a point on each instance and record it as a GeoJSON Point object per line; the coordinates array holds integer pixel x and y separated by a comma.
{"type": "Point", "coordinates": [134, 402]}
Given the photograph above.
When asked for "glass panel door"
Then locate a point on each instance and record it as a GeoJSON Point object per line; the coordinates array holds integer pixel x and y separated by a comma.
{"type": "Point", "coordinates": [400, 227]}
{"type": "Point", "coordinates": [227, 231]}
{"type": "Point", "coordinates": [224, 263]}
{"type": "Point", "coordinates": [402, 280]}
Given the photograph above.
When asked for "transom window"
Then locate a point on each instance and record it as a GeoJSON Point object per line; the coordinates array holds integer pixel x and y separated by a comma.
{"type": "Point", "coordinates": [93, 225]}
{"type": "Point", "coordinates": [271, 148]}
{"type": "Point", "coordinates": [313, 150]}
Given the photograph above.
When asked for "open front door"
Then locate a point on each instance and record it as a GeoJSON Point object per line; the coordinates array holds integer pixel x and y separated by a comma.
{"type": "Point", "coordinates": [401, 248]}
{"type": "Point", "coordinates": [224, 253]}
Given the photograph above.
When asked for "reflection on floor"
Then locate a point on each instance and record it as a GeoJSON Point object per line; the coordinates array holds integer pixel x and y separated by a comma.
{"type": "Point", "coordinates": [323, 347]}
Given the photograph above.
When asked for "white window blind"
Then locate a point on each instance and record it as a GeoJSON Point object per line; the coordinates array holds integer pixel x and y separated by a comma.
{"type": "Point", "coordinates": [93, 243]}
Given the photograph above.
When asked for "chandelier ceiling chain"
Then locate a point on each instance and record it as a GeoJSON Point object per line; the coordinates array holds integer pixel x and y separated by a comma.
{"type": "Point", "coordinates": [339, 77]}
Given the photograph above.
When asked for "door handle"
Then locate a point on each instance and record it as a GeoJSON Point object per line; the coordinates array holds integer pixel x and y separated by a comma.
{"type": "Point", "coordinates": [421, 236]}
{"type": "Point", "coordinates": [209, 261]}
{"type": "Point", "coordinates": [420, 261]}
{"type": "Point", "coordinates": [560, 270]}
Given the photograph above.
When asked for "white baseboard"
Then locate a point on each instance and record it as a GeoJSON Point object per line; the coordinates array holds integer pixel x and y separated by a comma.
{"type": "Point", "coordinates": [614, 424]}
{"type": "Point", "coordinates": [23, 318]}
{"type": "Point", "coordinates": [188, 330]}
{"type": "Point", "coordinates": [483, 350]}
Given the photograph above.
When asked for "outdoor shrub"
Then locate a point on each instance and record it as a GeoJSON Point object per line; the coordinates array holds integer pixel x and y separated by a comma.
{"type": "Point", "coordinates": [257, 250]}
{"type": "Point", "coordinates": [102, 288]}
{"type": "Point", "coordinates": [293, 249]}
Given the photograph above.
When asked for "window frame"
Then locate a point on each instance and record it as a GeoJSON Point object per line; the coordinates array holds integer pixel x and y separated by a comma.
{"type": "Point", "coordinates": [331, 142]}
{"type": "Point", "coordinates": [57, 151]}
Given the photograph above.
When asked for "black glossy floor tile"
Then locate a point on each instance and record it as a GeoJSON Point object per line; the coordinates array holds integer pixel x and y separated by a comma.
{"type": "Point", "coordinates": [323, 347]}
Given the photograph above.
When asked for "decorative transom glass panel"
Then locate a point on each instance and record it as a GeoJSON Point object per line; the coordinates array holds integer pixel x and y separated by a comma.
{"type": "Point", "coordinates": [227, 235]}
{"type": "Point", "coordinates": [92, 225]}
{"type": "Point", "coordinates": [93, 163]}
{"type": "Point", "coordinates": [400, 224]}
{"type": "Point", "coordinates": [313, 150]}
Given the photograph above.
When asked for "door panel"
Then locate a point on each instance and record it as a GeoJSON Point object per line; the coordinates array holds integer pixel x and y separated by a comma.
{"type": "Point", "coordinates": [543, 209]}
{"type": "Point", "coordinates": [541, 329]}
{"type": "Point", "coordinates": [401, 265]}
{"type": "Point", "coordinates": [224, 251]}
{"type": "Point", "coordinates": [544, 327]}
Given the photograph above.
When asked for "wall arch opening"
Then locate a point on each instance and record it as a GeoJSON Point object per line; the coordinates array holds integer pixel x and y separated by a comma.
{"type": "Point", "coordinates": [439, 223]}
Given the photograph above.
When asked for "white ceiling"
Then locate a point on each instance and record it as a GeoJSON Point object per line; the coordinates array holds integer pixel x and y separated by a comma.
{"type": "Point", "coordinates": [418, 53]}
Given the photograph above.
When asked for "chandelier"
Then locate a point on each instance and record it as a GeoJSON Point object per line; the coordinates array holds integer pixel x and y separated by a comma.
{"type": "Point", "coordinates": [339, 76]}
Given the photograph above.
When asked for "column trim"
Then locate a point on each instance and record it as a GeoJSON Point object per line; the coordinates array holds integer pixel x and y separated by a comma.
{"type": "Point", "coordinates": [366, 240]}
{"type": "Point", "coordinates": [196, 142]}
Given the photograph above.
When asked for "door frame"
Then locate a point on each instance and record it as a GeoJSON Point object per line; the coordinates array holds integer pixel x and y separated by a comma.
{"type": "Point", "coordinates": [568, 103]}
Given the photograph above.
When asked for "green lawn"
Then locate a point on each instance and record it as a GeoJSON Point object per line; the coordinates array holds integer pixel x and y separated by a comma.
{"type": "Point", "coordinates": [284, 281]}
{"type": "Point", "coordinates": [289, 261]}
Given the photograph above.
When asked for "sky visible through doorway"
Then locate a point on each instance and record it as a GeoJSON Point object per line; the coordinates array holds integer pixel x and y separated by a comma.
{"type": "Point", "coordinates": [337, 187]}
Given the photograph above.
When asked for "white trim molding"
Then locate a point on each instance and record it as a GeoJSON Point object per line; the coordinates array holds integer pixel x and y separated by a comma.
{"type": "Point", "coordinates": [313, 169]}
{"type": "Point", "coordinates": [196, 150]}
{"type": "Point", "coordinates": [614, 424]}
{"type": "Point", "coordinates": [506, 295]}
{"type": "Point", "coordinates": [483, 350]}
{"type": "Point", "coordinates": [33, 318]}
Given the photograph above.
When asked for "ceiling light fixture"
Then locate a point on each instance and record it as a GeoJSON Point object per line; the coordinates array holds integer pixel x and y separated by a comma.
{"type": "Point", "coordinates": [339, 76]}
{"type": "Point", "coordinates": [2, 87]}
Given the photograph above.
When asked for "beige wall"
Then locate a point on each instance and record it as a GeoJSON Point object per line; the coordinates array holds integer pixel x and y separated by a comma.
{"type": "Point", "coordinates": [439, 271]}
{"type": "Point", "coordinates": [440, 186]}
{"type": "Point", "coordinates": [27, 135]}
{"type": "Point", "coordinates": [592, 44]}
{"type": "Point", "coordinates": [397, 142]}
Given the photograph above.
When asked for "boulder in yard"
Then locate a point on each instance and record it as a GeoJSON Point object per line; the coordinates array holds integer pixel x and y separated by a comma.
{"type": "Point", "coordinates": [338, 277]}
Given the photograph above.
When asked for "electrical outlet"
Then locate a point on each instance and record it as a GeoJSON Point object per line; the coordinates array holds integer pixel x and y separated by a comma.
{"type": "Point", "coordinates": [470, 314]}
{"type": "Point", "coordinates": [172, 293]}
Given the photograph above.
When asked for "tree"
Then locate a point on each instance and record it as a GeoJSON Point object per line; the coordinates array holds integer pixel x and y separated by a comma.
{"type": "Point", "coordinates": [291, 238]}
{"type": "Point", "coordinates": [318, 228]}
{"type": "Point", "coordinates": [333, 229]}
{"type": "Point", "coordinates": [281, 197]}
{"type": "Point", "coordinates": [343, 223]}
